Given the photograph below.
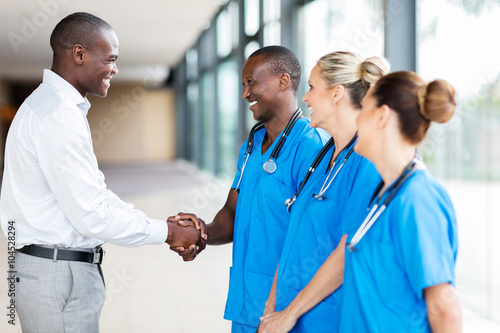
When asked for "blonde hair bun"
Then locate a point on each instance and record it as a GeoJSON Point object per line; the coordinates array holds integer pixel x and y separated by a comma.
{"type": "Point", "coordinates": [349, 70]}
{"type": "Point", "coordinates": [437, 101]}
{"type": "Point", "coordinates": [371, 69]}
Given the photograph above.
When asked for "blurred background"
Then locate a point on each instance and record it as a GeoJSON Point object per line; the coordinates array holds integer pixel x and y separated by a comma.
{"type": "Point", "coordinates": [168, 133]}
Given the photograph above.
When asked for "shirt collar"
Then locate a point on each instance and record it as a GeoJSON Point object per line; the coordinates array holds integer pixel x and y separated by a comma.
{"type": "Point", "coordinates": [70, 92]}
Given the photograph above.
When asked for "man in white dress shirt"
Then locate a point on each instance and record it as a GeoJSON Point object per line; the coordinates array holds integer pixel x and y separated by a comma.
{"type": "Point", "coordinates": [53, 195]}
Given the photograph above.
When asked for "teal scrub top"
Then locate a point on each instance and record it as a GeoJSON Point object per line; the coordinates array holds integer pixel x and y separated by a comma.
{"type": "Point", "coordinates": [315, 230]}
{"type": "Point", "coordinates": [412, 246]}
{"type": "Point", "coordinates": [261, 219]}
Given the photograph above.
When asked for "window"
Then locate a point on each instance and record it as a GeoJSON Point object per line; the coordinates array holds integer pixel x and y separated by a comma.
{"type": "Point", "coordinates": [191, 119]}
{"type": "Point", "coordinates": [192, 64]}
{"type": "Point", "coordinates": [252, 17]}
{"type": "Point", "coordinates": [227, 30]}
{"type": "Point", "coordinates": [208, 122]}
{"type": "Point", "coordinates": [457, 45]}
{"type": "Point", "coordinates": [356, 26]}
{"type": "Point", "coordinates": [228, 82]}
{"type": "Point", "coordinates": [272, 25]}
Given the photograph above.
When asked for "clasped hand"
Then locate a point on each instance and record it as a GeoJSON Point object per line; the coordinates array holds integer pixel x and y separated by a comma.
{"type": "Point", "coordinates": [187, 235]}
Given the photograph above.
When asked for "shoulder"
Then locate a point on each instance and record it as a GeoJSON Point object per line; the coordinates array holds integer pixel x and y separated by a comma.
{"type": "Point", "coordinates": [423, 186]}
{"type": "Point", "coordinates": [46, 101]}
{"type": "Point", "coordinates": [306, 135]}
{"type": "Point", "coordinates": [424, 198]}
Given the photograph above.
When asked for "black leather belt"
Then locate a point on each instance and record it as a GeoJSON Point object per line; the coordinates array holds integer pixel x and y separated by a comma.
{"type": "Point", "coordinates": [56, 253]}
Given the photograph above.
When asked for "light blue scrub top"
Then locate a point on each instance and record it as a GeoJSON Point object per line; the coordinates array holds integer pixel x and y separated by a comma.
{"type": "Point", "coordinates": [261, 219]}
{"type": "Point", "coordinates": [412, 246]}
{"type": "Point", "coordinates": [315, 231]}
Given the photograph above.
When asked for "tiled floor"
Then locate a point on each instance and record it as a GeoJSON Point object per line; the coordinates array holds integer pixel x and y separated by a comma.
{"type": "Point", "coordinates": [150, 289]}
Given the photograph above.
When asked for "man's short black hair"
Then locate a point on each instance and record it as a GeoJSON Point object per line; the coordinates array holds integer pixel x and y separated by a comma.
{"type": "Point", "coordinates": [281, 60]}
{"type": "Point", "coordinates": [77, 28]}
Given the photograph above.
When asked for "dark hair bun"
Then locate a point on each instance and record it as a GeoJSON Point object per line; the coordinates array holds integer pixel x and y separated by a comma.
{"type": "Point", "coordinates": [437, 101]}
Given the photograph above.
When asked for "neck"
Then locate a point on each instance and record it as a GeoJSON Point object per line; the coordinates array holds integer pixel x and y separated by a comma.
{"type": "Point", "coordinates": [342, 131]}
{"type": "Point", "coordinates": [67, 75]}
{"type": "Point", "coordinates": [394, 161]}
{"type": "Point", "coordinates": [278, 123]}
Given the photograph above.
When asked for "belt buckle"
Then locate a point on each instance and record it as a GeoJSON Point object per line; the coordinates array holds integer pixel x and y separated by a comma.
{"type": "Point", "coordinates": [98, 255]}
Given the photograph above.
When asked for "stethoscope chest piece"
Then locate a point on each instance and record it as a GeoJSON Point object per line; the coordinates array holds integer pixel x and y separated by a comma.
{"type": "Point", "coordinates": [270, 166]}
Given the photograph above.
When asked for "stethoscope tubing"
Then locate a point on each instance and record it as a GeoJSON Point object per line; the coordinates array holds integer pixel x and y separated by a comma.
{"type": "Point", "coordinates": [270, 165]}
{"type": "Point", "coordinates": [375, 212]}
{"type": "Point", "coordinates": [290, 201]}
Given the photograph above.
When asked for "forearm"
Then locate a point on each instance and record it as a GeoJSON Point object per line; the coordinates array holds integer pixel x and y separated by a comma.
{"type": "Point", "coordinates": [271, 300]}
{"type": "Point", "coordinates": [327, 279]}
{"type": "Point", "coordinates": [220, 231]}
{"type": "Point", "coordinates": [444, 311]}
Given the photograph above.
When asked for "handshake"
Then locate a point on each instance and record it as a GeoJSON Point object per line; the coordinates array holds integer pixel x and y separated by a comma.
{"type": "Point", "coordinates": [187, 235]}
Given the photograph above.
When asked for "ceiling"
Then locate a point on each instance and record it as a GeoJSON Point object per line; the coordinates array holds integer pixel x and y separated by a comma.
{"type": "Point", "coordinates": [153, 34]}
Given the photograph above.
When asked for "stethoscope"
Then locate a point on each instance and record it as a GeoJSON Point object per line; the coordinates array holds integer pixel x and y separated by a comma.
{"type": "Point", "coordinates": [270, 165]}
{"type": "Point", "coordinates": [378, 208]}
{"type": "Point", "coordinates": [321, 195]}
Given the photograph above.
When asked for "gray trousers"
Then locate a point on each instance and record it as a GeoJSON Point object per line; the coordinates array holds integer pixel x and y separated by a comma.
{"type": "Point", "coordinates": [57, 297]}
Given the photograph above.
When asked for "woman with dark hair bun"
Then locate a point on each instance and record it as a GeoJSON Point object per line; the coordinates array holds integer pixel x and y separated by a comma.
{"type": "Point", "coordinates": [399, 270]}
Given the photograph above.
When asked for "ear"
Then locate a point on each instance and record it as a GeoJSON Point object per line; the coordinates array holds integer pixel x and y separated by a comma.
{"type": "Point", "coordinates": [338, 92]}
{"type": "Point", "coordinates": [384, 115]}
{"type": "Point", "coordinates": [284, 81]}
{"type": "Point", "coordinates": [79, 54]}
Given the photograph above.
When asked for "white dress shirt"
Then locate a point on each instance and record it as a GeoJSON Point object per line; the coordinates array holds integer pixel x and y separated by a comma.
{"type": "Point", "coordinates": [52, 187]}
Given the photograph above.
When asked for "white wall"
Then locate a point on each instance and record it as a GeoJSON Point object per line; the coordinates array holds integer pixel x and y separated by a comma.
{"type": "Point", "coordinates": [133, 124]}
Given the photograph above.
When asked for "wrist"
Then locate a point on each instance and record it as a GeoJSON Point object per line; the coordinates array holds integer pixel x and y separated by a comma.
{"type": "Point", "coordinates": [172, 227]}
{"type": "Point", "coordinates": [210, 233]}
{"type": "Point", "coordinates": [292, 311]}
{"type": "Point", "coordinates": [269, 307]}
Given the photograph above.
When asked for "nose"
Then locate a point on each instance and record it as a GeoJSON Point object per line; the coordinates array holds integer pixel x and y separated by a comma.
{"type": "Point", "coordinates": [115, 69]}
{"type": "Point", "coordinates": [304, 98]}
{"type": "Point", "coordinates": [246, 92]}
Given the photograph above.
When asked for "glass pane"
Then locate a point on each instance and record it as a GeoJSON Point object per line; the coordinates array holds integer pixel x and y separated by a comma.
{"type": "Point", "coordinates": [191, 116]}
{"type": "Point", "coordinates": [272, 10]}
{"type": "Point", "coordinates": [207, 48]}
{"type": "Point", "coordinates": [252, 17]}
{"type": "Point", "coordinates": [192, 64]}
{"type": "Point", "coordinates": [356, 26]}
{"type": "Point", "coordinates": [272, 33]}
{"type": "Point", "coordinates": [456, 45]}
{"type": "Point", "coordinates": [208, 122]}
{"type": "Point", "coordinates": [228, 100]}
{"type": "Point", "coordinates": [224, 38]}
{"type": "Point", "coordinates": [251, 48]}
{"type": "Point", "coordinates": [233, 11]}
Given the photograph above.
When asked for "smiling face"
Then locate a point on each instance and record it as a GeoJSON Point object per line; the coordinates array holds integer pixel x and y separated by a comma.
{"type": "Point", "coordinates": [99, 65]}
{"type": "Point", "coordinates": [319, 99]}
{"type": "Point", "coordinates": [260, 88]}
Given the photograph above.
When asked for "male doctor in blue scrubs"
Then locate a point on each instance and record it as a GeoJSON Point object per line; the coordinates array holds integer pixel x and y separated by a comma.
{"type": "Point", "coordinates": [254, 216]}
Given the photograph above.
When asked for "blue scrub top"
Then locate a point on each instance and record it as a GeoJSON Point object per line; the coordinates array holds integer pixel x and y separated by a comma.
{"type": "Point", "coordinates": [314, 232]}
{"type": "Point", "coordinates": [412, 246]}
{"type": "Point", "coordinates": [261, 219]}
